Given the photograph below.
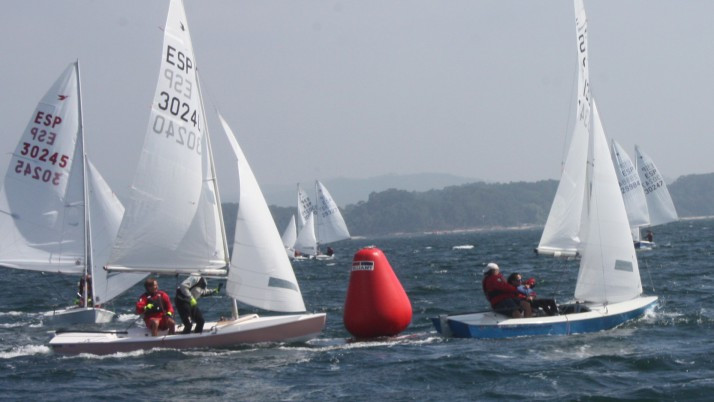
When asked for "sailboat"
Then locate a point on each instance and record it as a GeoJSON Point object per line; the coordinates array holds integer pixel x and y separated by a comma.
{"type": "Point", "coordinates": [173, 223]}
{"type": "Point", "coordinates": [608, 291]}
{"type": "Point", "coordinates": [645, 207]}
{"type": "Point", "coordinates": [329, 225]}
{"type": "Point", "coordinates": [306, 241]}
{"type": "Point", "coordinates": [289, 237]}
{"type": "Point", "coordinates": [660, 207]}
{"type": "Point", "coordinates": [58, 214]}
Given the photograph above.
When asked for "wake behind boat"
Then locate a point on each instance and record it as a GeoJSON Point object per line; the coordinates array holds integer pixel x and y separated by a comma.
{"type": "Point", "coordinates": [174, 225]}
{"type": "Point", "coordinates": [587, 219]}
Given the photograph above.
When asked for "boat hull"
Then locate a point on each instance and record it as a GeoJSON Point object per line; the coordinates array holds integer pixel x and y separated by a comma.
{"type": "Point", "coordinates": [488, 325]}
{"type": "Point", "coordinates": [644, 245]}
{"type": "Point", "coordinates": [79, 316]}
{"type": "Point", "coordinates": [245, 330]}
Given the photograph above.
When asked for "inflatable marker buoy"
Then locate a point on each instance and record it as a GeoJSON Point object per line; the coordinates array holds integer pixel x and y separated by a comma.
{"type": "Point", "coordinates": [376, 303]}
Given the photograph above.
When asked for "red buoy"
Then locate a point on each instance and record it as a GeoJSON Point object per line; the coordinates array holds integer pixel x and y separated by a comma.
{"type": "Point", "coordinates": [376, 303]}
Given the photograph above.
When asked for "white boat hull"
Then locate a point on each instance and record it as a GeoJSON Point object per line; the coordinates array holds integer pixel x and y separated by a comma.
{"type": "Point", "coordinates": [78, 315]}
{"type": "Point", "coordinates": [245, 330]}
{"type": "Point", "coordinates": [487, 325]}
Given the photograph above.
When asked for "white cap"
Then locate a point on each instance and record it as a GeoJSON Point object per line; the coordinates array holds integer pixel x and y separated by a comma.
{"type": "Point", "coordinates": [490, 266]}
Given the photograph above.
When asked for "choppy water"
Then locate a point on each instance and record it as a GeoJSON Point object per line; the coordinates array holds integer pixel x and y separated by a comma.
{"type": "Point", "coordinates": [665, 355]}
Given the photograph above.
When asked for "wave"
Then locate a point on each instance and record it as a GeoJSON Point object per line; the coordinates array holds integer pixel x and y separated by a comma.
{"type": "Point", "coordinates": [25, 350]}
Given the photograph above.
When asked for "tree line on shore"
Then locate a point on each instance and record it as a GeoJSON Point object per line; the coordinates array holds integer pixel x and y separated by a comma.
{"type": "Point", "coordinates": [475, 205]}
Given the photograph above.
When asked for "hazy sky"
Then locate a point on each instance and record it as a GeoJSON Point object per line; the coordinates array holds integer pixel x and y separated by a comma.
{"type": "Point", "coordinates": [323, 89]}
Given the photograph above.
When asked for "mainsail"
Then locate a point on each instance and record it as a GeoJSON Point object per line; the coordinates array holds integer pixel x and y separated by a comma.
{"type": "Point", "coordinates": [42, 199]}
{"type": "Point", "coordinates": [630, 187]}
{"type": "Point", "coordinates": [173, 218]}
{"type": "Point", "coordinates": [659, 202]}
{"type": "Point", "coordinates": [331, 226]}
{"type": "Point", "coordinates": [561, 233]}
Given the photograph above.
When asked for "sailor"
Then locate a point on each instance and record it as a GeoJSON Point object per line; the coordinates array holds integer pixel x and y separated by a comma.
{"type": "Point", "coordinates": [84, 280]}
{"type": "Point", "coordinates": [502, 295]}
{"type": "Point", "coordinates": [187, 295]}
{"type": "Point", "coordinates": [156, 307]}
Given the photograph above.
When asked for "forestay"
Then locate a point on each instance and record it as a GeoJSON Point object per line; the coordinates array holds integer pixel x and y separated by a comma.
{"type": "Point", "coordinates": [630, 187]}
{"type": "Point", "coordinates": [659, 202]}
{"type": "Point", "coordinates": [173, 218]}
{"type": "Point", "coordinates": [561, 232]}
{"type": "Point", "coordinates": [608, 268]}
{"type": "Point", "coordinates": [260, 273]}
{"type": "Point", "coordinates": [331, 226]}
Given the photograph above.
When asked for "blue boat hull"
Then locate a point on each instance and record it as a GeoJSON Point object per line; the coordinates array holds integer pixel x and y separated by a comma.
{"type": "Point", "coordinates": [491, 325]}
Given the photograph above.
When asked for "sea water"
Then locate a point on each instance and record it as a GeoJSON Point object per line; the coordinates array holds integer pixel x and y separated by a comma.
{"type": "Point", "coordinates": [666, 354]}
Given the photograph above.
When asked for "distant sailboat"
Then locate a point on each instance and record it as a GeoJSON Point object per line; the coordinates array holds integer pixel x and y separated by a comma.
{"type": "Point", "coordinates": [608, 291]}
{"type": "Point", "coordinates": [289, 237]}
{"type": "Point", "coordinates": [660, 207]}
{"type": "Point", "coordinates": [57, 212]}
{"type": "Point", "coordinates": [173, 223]}
{"type": "Point", "coordinates": [322, 224]}
{"type": "Point", "coordinates": [646, 206]}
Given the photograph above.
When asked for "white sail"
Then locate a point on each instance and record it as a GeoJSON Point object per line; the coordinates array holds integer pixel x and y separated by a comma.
{"type": "Point", "coordinates": [260, 273]}
{"type": "Point", "coordinates": [305, 207]}
{"type": "Point", "coordinates": [306, 242]}
{"type": "Point", "coordinates": [659, 202]}
{"type": "Point", "coordinates": [561, 233]}
{"type": "Point", "coordinates": [41, 200]}
{"type": "Point", "coordinates": [173, 219]}
{"type": "Point", "coordinates": [330, 226]}
{"type": "Point", "coordinates": [608, 268]}
{"type": "Point", "coordinates": [630, 187]}
{"type": "Point", "coordinates": [106, 215]}
{"type": "Point", "coordinates": [289, 237]}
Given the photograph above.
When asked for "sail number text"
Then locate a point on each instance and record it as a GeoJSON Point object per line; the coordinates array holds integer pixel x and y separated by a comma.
{"type": "Point", "coordinates": [36, 157]}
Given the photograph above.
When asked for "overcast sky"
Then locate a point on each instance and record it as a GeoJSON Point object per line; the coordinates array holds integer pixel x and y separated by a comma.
{"type": "Point", "coordinates": [325, 89]}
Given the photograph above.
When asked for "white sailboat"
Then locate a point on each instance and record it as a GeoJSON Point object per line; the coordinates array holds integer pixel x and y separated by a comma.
{"type": "Point", "coordinates": [57, 212]}
{"type": "Point", "coordinates": [306, 241]}
{"type": "Point", "coordinates": [289, 237]}
{"type": "Point", "coordinates": [173, 223]}
{"type": "Point", "coordinates": [608, 291]}
{"type": "Point", "coordinates": [646, 206]}
{"type": "Point", "coordinates": [329, 225]}
{"type": "Point", "coordinates": [660, 207]}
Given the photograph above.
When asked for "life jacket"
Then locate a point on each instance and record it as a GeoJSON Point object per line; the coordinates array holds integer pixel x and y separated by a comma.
{"type": "Point", "coordinates": [157, 303]}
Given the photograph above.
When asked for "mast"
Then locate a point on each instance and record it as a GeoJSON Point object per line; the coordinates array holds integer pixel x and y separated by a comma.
{"type": "Point", "coordinates": [88, 257]}
{"type": "Point", "coordinates": [214, 180]}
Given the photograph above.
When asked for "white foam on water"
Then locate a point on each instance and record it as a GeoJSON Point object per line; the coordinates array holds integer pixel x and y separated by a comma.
{"type": "Point", "coordinates": [463, 247]}
{"type": "Point", "coordinates": [25, 350]}
{"type": "Point", "coordinates": [12, 314]}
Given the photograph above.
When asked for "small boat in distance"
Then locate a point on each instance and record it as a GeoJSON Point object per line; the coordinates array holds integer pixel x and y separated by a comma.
{"type": "Point", "coordinates": [647, 200]}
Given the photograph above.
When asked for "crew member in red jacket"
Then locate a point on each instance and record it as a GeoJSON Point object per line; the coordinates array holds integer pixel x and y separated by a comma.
{"type": "Point", "coordinates": [156, 307]}
{"type": "Point", "coordinates": [502, 295]}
